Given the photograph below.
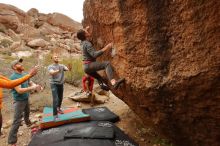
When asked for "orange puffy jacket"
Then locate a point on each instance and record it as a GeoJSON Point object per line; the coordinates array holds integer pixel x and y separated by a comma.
{"type": "Point", "coordinates": [6, 83]}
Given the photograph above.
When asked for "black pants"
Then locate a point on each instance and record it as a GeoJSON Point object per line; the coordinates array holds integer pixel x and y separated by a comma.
{"type": "Point", "coordinates": [21, 109]}
{"type": "Point", "coordinates": [92, 68]}
{"type": "Point", "coordinates": [57, 93]}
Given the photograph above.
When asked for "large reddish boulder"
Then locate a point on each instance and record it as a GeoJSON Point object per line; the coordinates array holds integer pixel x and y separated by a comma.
{"type": "Point", "coordinates": [63, 21]}
{"type": "Point", "coordinates": [12, 17]}
{"type": "Point", "coordinates": [169, 54]}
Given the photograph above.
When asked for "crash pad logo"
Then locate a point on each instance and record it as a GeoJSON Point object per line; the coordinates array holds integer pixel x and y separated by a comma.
{"type": "Point", "coordinates": [104, 125]}
{"type": "Point", "coordinates": [99, 109]}
{"type": "Point", "coordinates": [50, 131]}
{"type": "Point", "coordinates": [123, 143]}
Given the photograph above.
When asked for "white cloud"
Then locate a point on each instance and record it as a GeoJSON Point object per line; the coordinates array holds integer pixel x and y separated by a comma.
{"type": "Point", "coordinates": [71, 8]}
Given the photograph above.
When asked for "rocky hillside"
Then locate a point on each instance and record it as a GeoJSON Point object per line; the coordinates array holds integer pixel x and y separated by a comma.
{"type": "Point", "coordinates": [30, 30]}
{"type": "Point", "coordinates": [168, 51]}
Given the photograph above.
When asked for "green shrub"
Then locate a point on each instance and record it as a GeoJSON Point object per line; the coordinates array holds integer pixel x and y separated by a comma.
{"type": "Point", "coordinates": [40, 100]}
{"type": "Point", "coordinates": [74, 77]}
{"type": "Point", "coordinates": [5, 43]}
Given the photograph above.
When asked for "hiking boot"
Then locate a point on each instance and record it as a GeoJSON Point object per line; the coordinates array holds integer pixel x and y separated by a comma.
{"type": "Point", "coordinates": [104, 87]}
{"type": "Point", "coordinates": [118, 82]}
{"type": "Point", "coordinates": [55, 118]}
{"type": "Point", "coordinates": [28, 123]}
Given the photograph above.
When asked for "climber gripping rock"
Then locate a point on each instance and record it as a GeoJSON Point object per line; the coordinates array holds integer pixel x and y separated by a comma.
{"type": "Point", "coordinates": [91, 66]}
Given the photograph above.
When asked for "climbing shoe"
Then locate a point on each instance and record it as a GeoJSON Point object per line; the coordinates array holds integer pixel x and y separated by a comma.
{"type": "Point", "coordinates": [104, 87]}
{"type": "Point", "coordinates": [118, 82]}
{"type": "Point", "coordinates": [88, 94]}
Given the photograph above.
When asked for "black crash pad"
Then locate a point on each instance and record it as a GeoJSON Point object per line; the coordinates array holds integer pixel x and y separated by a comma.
{"type": "Point", "coordinates": [55, 136]}
{"type": "Point", "coordinates": [101, 114]}
{"type": "Point", "coordinates": [84, 142]}
{"type": "Point", "coordinates": [95, 130]}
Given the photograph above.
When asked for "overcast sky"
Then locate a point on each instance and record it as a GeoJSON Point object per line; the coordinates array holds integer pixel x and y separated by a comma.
{"type": "Point", "coordinates": [71, 8]}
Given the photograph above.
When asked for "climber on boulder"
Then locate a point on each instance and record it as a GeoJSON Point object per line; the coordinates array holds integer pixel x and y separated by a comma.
{"type": "Point", "coordinates": [91, 66]}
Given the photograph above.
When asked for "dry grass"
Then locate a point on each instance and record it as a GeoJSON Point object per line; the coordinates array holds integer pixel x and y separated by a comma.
{"type": "Point", "coordinates": [40, 100]}
{"type": "Point", "coordinates": [5, 43]}
{"type": "Point", "coordinates": [74, 77]}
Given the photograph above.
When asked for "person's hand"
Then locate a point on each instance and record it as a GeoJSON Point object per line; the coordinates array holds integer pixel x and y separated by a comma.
{"type": "Point", "coordinates": [33, 87]}
{"type": "Point", "coordinates": [59, 70]}
{"type": "Point", "coordinates": [109, 46]}
{"type": "Point", "coordinates": [38, 88]}
{"type": "Point", "coordinates": [87, 28]}
{"type": "Point", "coordinates": [33, 71]}
{"type": "Point", "coordinates": [69, 66]}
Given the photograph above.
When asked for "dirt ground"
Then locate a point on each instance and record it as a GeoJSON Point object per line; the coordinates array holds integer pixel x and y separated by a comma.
{"type": "Point", "coordinates": [129, 121]}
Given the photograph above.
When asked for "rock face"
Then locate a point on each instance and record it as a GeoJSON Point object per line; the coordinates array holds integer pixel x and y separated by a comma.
{"type": "Point", "coordinates": [63, 21]}
{"type": "Point", "coordinates": [37, 43]}
{"type": "Point", "coordinates": [169, 54]}
{"type": "Point", "coordinates": [12, 17]}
